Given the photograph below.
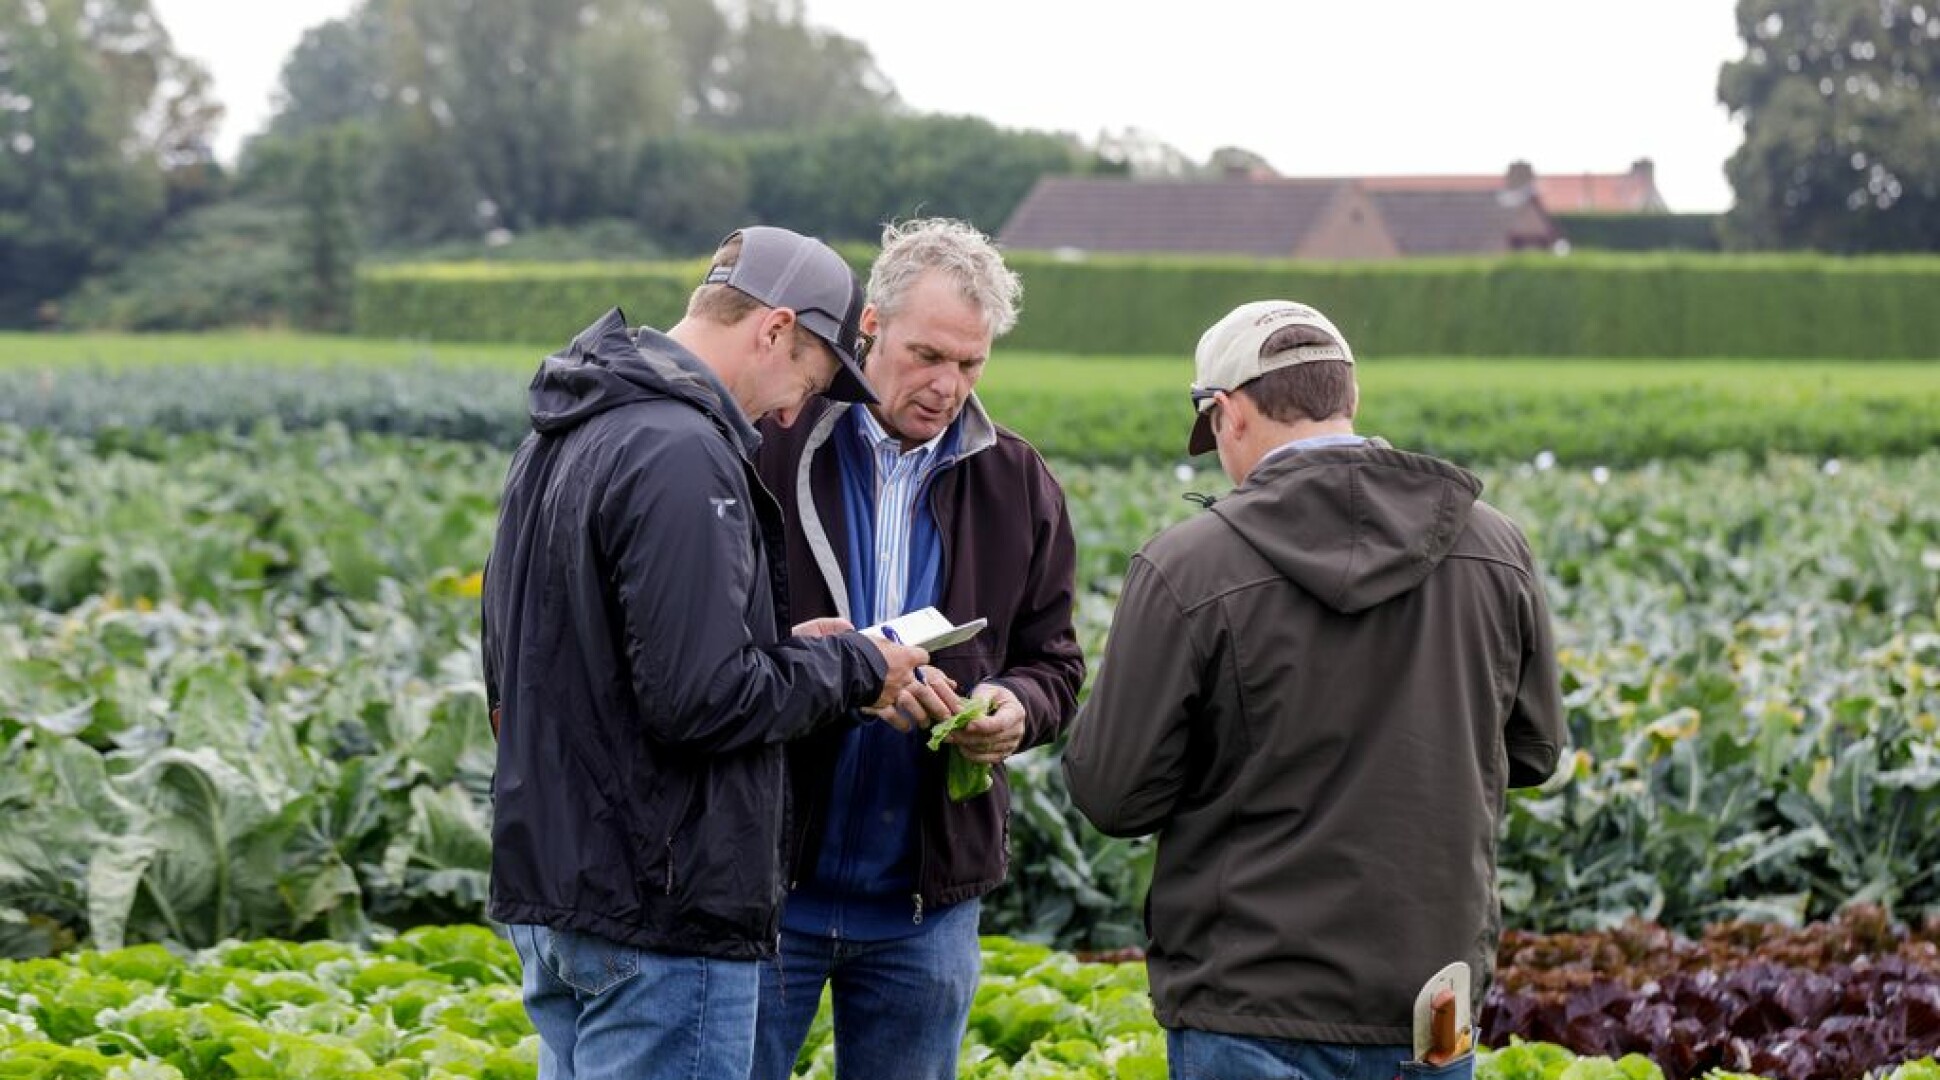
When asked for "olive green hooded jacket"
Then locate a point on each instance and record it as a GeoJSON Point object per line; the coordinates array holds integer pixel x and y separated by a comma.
{"type": "Point", "coordinates": [1316, 695]}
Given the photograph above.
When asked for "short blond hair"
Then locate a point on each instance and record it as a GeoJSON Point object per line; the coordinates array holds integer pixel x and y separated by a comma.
{"type": "Point", "coordinates": [723, 304]}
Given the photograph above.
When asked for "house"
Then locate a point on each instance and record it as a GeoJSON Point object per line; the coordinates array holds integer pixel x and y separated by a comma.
{"type": "Point", "coordinates": [1480, 221]}
{"type": "Point", "coordinates": [1632, 192]}
{"type": "Point", "coordinates": [1275, 217]}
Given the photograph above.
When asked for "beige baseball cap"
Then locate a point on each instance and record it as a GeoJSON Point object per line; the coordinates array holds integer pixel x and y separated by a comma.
{"type": "Point", "coordinates": [1229, 357]}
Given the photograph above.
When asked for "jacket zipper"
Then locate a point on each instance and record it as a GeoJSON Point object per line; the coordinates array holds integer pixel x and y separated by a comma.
{"type": "Point", "coordinates": [670, 866]}
{"type": "Point", "coordinates": [942, 542]}
{"type": "Point", "coordinates": [805, 815]}
{"type": "Point", "coordinates": [942, 590]}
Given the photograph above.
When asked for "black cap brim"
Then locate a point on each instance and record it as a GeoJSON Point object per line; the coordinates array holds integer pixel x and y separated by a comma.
{"type": "Point", "coordinates": [1202, 435]}
{"type": "Point", "coordinates": [848, 384]}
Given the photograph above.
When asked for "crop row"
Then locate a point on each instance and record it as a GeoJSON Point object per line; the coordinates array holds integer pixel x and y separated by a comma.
{"type": "Point", "coordinates": [1096, 409]}
{"type": "Point", "coordinates": [1840, 998]}
{"type": "Point", "coordinates": [239, 692]}
{"type": "Point", "coordinates": [442, 1003]}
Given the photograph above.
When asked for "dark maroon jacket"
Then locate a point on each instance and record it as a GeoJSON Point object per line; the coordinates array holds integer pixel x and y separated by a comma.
{"type": "Point", "coordinates": [1008, 556]}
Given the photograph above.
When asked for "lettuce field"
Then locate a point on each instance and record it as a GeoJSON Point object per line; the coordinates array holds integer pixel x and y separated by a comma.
{"type": "Point", "coordinates": [244, 759]}
{"type": "Point", "coordinates": [442, 1003]}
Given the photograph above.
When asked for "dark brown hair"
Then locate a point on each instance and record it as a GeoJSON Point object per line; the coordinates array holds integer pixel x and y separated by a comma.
{"type": "Point", "coordinates": [1316, 390]}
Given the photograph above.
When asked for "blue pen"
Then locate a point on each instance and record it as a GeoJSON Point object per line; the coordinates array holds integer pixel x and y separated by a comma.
{"type": "Point", "coordinates": [890, 633]}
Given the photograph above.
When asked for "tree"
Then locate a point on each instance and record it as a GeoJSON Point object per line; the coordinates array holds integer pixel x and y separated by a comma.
{"type": "Point", "coordinates": [328, 248]}
{"type": "Point", "coordinates": [1841, 105]}
{"type": "Point", "coordinates": [524, 114]}
{"type": "Point", "coordinates": [1239, 162]}
{"type": "Point", "coordinates": [691, 190]}
{"type": "Point", "coordinates": [232, 263]}
{"type": "Point", "coordinates": [844, 182]}
{"type": "Point", "coordinates": [332, 77]}
{"type": "Point", "coordinates": [483, 114]}
{"type": "Point", "coordinates": [1142, 154]}
{"type": "Point", "coordinates": [99, 118]}
{"type": "Point", "coordinates": [777, 73]}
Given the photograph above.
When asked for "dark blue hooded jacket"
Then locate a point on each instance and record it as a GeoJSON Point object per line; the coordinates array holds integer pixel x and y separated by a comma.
{"type": "Point", "coordinates": [637, 654]}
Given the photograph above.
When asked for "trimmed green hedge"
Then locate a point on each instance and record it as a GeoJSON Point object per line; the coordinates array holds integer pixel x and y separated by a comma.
{"type": "Point", "coordinates": [533, 303]}
{"type": "Point", "coordinates": [1604, 305]}
{"type": "Point", "coordinates": [1583, 306]}
{"type": "Point", "coordinates": [1641, 232]}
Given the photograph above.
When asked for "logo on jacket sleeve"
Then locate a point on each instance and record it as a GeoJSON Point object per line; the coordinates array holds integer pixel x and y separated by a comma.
{"type": "Point", "coordinates": [721, 506]}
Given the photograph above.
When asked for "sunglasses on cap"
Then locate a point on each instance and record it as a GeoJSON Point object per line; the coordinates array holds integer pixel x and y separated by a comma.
{"type": "Point", "coordinates": [1201, 397]}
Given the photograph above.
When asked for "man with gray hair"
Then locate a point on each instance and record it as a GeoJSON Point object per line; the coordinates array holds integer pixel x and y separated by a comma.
{"type": "Point", "coordinates": [1316, 695]}
{"type": "Point", "coordinates": [916, 501]}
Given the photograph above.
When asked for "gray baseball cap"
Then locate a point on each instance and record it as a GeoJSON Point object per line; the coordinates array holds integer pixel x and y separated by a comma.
{"type": "Point", "coordinates": [784, 269]}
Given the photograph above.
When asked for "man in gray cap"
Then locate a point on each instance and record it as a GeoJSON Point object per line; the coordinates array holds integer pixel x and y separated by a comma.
{"type": "Point", "coordinates": [640, 674]}
{"type": "Point", "coordinates": [1316, 694]}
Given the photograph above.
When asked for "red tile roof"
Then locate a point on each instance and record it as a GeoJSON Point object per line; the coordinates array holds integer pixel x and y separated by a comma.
{"type": "Point", "coordinates": [1634, 191]}
{"type": "Point", "coordinates": [1629, 192]}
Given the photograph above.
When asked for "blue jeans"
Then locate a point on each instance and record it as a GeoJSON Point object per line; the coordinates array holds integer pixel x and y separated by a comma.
{"type": "Point", "coordinates": [901, 1006]}
{"type": "Point", "coordinates": [1210, 1055]}
{"type": "Point", "coordinates": [606, 1010]}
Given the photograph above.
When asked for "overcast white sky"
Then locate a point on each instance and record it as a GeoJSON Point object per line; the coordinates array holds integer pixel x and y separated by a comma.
{"type": "Point", "coordinates": [1319, 87]}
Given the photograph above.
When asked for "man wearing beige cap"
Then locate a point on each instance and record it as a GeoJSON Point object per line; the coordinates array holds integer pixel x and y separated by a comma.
{"type": "Point", "coordinates": [641, 679]}
{"type": "Point", "coordinates": [1316, 694]}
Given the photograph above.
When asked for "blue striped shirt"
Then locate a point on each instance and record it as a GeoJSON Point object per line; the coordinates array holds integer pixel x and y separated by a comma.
{"type": "Point", "coordinates": [901, 477]}
{"type": "Point", "coordinates": [862, 885]}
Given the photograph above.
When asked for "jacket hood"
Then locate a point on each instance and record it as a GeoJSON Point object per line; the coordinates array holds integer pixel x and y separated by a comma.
{"type": "Point", "coordinates": [1353, 526]}
{"type": "Point", "coordinates": [607, 366]}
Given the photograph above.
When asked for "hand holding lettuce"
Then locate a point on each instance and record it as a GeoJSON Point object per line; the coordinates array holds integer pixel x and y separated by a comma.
{"type": "Point", "coordinates": [966, 780]}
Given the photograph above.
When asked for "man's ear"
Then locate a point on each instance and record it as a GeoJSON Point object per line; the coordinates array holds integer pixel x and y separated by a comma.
{"type": "Point", "coordinates": [1235, 413]}
{"type": "Point", "coordinates": [871, 320]}
{"type": "Point", "coordinates": [776, 329]}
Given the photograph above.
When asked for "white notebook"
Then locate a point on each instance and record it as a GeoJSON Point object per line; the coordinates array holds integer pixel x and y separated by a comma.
{"type": "Point", "coordinates": [926, 628]}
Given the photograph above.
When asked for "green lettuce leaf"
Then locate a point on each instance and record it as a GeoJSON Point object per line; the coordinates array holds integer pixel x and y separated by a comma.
{"type": "Point", "coordinates": [966, 780]}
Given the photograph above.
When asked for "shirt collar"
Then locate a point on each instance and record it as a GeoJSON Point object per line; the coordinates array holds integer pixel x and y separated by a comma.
{"type": "Point", "coordinates": [874, 435]}
{"type": "Point", "coordinates": [1318, 442]}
